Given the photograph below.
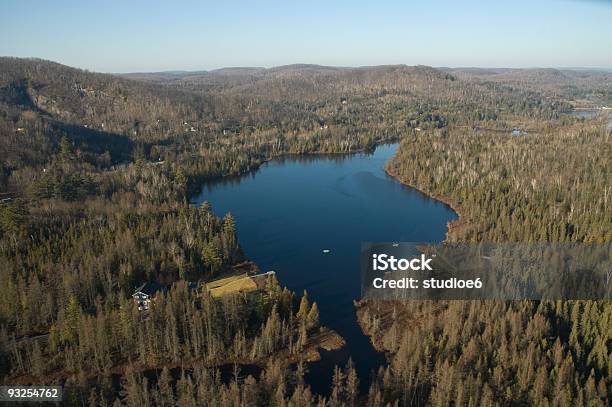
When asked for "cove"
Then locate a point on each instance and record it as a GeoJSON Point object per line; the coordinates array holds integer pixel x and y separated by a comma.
{"type": "Point", "coordinates": [292, 208]}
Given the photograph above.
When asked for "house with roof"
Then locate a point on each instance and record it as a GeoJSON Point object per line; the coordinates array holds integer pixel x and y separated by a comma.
{"type": "Point", "coordinates": [145, 294]}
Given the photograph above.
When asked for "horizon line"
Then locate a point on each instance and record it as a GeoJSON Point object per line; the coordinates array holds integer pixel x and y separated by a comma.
{"type": "Point", "coordinates": [304, 64]}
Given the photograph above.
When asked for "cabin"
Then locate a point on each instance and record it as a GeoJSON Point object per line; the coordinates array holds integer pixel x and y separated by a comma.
{"type": "Point", "coordinates": [145, 294]}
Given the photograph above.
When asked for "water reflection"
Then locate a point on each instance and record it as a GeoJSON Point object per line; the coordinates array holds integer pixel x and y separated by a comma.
{"type": "Point", "coordinates": [294, 207]}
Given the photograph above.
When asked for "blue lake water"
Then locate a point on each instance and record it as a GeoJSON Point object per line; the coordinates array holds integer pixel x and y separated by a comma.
{"type": "Point", "coordinates": [291, 209]}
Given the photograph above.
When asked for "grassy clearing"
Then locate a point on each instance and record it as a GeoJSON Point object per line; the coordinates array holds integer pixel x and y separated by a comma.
{"type": "Point", "coordinates": [232, 284]}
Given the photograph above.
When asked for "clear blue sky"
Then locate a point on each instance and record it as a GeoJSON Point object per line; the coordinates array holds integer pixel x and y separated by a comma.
{"type": "Point", "coordinates": [127, 36]}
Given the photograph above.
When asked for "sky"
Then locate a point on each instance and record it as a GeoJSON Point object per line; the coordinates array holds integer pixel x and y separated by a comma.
{"type": "Point", "coordinates": [145, 36]}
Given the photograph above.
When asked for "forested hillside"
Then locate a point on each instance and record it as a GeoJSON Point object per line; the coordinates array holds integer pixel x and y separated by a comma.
{"type": "Point", "coordinates": [549, 187]}
{"type": "Point", "coordinates": [96, 176]}
{"type": "Point", "coordinates": [96, 172]}
{"type": "Point", "coordinates": [580, 87]}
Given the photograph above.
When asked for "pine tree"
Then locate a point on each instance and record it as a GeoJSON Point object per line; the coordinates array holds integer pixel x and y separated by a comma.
{"type": "Point", "coordinates": [12, 216]}
{"type": "Point", "coordinates": [72, 314]}
{"type": "Point", "coordinates": [212, 257]}
{"type": "Point", "coordinates": [338, 388]}
{"type": "Point", "coordinates": [304, 307]}
{"type": "Point", "coordinates": [165, 388]}
{"type": "Point", "coordinates": [65, 151]}
{"type": "Point", "coordinates": [352, 384]}
{"type": "Point", "coordinates": [312, 320]}
{"type": "Point", "coordinates": [229, 236]}
{"type": "Point", "coordinates": [229, 227]}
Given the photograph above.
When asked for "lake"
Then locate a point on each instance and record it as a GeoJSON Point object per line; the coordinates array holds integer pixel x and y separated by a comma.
{"type": "Point", "coordinates": [292, 208]}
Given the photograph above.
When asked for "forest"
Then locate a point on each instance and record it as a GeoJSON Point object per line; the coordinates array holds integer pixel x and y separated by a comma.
{"type": "Point", "coordinates": [549, 187]}
{"type": "Point", "coordinates": [96, 172]}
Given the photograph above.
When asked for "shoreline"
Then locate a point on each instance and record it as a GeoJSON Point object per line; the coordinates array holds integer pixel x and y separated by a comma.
{"type": "Point", "coordinates": [452, 226]}
{"type": "Point", "coordinates": [325, 339]}
{"type": "Point", "coordinates": [334, 341]}
{"type": "Point", "coordinates": [256, 167]}
{"type": "Point", "coordinates": [313, 154]}
{"type": "Point", "coordinates": [385, 308]}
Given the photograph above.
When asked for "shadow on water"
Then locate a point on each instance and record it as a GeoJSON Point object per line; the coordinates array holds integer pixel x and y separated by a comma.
{"type": "Point", "coordinates": [235, 180]}
{"type": "Point", "coordinates": [294, 207]}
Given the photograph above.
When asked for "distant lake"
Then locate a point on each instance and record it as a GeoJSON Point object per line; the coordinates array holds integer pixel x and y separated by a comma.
{"type": "Point", "coordinates": [293, 208]}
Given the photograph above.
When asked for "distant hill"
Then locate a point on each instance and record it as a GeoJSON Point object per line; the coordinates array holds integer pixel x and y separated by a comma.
{"type": "Point", "coordinates": [103, 112]}
{"type": "Point", "coordinates": [103, 101]}
{"type": "Point", "coordinates": [147, 104]}
{"type": "Point", "coordinates": [307, 81]}
{"type": "Point", "coordinates": [581, 86]}
{"type": "Point", "coordinates": [303, 81]}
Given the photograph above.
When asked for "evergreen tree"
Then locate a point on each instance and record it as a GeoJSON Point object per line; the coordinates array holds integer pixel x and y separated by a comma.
{"type": "Point", "coordinates": [312, 320]}
{"type": "Point", "coordinates": [304, 309]}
